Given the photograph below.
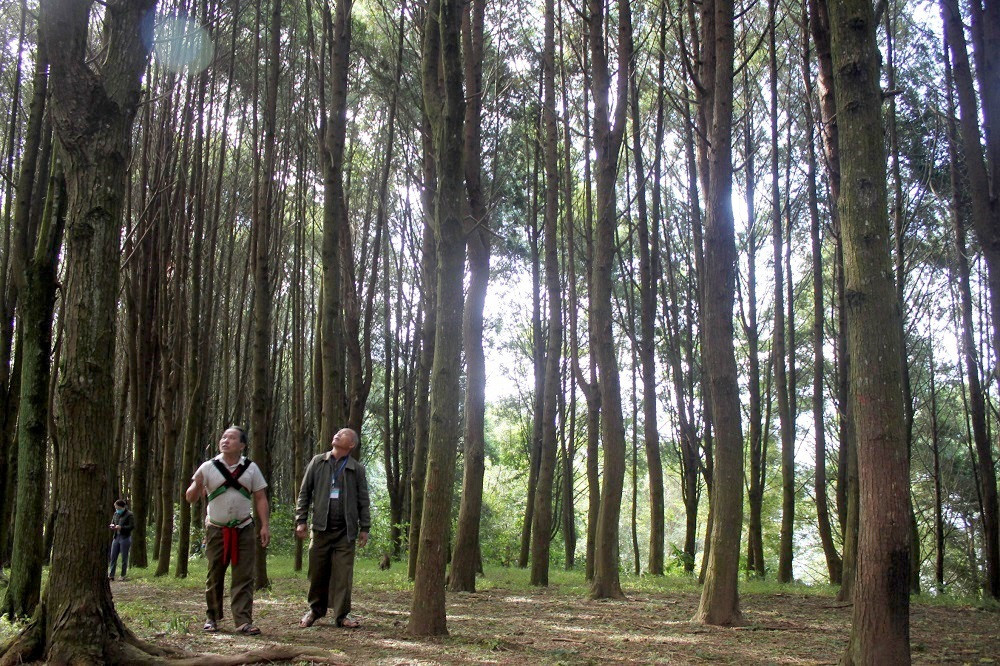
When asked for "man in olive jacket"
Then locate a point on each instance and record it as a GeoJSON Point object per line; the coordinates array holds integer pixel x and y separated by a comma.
{"type": "Point", "coordinates": [334, 484]}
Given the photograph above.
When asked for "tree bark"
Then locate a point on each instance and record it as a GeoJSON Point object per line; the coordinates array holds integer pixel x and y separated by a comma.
{"type": "Point", "coordinates": [648, 247]}
{"type": "Point", "coordinates": [427, 614]}
{"type": "Point", "coordinates": [880, 627]}
{"type": "Point", "coordinates": [92, 113]}
{"type": "Point", "coordinates": [608, 135]}
{"type": "Point", "coordinates": [720, 599]}
{"type": "Point", "coordinates": [833, 561]}
{"type": "Point", "coordinates": [786, 424]}
{"type": "Point", "coordinates": [333, 136]}
{"type": "Point", "coordinates": [428, 307]}
{"type": "Point", "coordinates": [542, 522]}
{"type": "Point", "coordinates": [37, 290]}
{"type": "Point", "coordinates": [755, 434]}
{"type": "Point", "coordinates": [466, 559]}
{"type": "Point", "coordinates": [985, 206]}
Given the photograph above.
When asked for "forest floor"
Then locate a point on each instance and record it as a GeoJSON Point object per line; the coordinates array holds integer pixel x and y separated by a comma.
{"type": "Point", "coordinates": [509, 622]}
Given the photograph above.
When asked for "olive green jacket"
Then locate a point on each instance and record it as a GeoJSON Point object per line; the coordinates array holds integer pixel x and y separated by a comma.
{"type": "Point", "coordinates": [315, 491]}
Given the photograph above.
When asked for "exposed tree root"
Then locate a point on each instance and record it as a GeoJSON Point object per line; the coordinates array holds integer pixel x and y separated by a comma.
{"type": "Point", "coordinates": [29, 646]}
{"type": "Point", "coordinates": [25, 647]}
{"type": "Point", "coordinates": [264, 656]}
{"type": "Point", "coordinates": [118, 645]}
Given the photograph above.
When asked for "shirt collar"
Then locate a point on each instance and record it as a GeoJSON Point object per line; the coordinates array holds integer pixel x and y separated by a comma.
{"type": "Point", "coordinates": [223, 461]}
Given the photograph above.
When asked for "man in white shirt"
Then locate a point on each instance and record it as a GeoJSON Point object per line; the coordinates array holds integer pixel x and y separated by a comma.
{"type": "Point", "coordinates": [234, 486]}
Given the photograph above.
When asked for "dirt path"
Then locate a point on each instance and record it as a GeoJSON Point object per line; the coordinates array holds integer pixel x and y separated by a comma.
{"type": "Point", "coordinates": [504, 626]}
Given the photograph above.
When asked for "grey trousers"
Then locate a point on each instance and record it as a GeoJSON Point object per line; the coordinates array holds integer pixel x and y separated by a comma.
{"type": "Point", "coordinates": [121, 545]}
{"type": "Point", "coordinates": [331, 573]}
{"type": "Point", "coordinates": [241, 588]}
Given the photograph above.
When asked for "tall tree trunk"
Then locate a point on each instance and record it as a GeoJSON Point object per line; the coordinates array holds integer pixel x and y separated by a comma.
{"type": "Point", "coordinates": [538, 365]}
{"type": "Point", "coordinates": [755, 434]}
{"type": "Point", "coordinates": [92, 113]}
{"type": "Point", "coordinates": [333, 136]}
{"type": "Point", "coordinates": [986, 224]}
{"type": "Point", "coordinates": [938, 493]}
{"type": "Point", "coordinates": [648, 247]}
{"type": "Point", "coordinates": [608, 135]}
{"type": "Point", "coordinates": [847, 496]}
{"type": "Point", "coordinates": [36, 285]}
{"type": "Point", "coordinates": [444, 17]}
{"type": "Point", "coordinates": [198, 363]}
{"type": "Point", "coordinates": [570, 345]}
{"type": "Point", "coordinates": [428, 307]}
{"type": "Point", "coordinates": [880, 628]}
{"type": "Point", "coordinates": [833, 561]}
{"type": "Point", "coordinates": [720, 598]}
{"type": "Point", "coordinates": [465, 559]}
{"type": "Point", "coordinates": [9, 379]}
{"type": "Point", "coordinates": [265, 212]}
{"type": "Point", "coordinates": [976, 409]}
{"type": "Point", "coordinates": [588, 386]}
{"type": "Point", "coordinates": [393, 374]}
{"type": "Point", "coordinates": [786, 424]}
{"type": "Point", "coordinates": [542, 522]}
{"type": "Point", "coordinates": [898, 215]}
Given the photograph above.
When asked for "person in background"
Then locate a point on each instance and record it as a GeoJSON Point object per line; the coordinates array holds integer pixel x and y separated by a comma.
{"type": "Point", "coordinates": [122, 524]}
{"type": "Point", "coordinates": [334, 484]}
{"type": "Point", "coordinates": [234, 487]}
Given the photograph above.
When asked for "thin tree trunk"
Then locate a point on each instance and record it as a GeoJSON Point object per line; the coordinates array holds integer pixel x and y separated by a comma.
{"type": "Point", "coordinates": [465, 559]}
{"type": "Point", "coordinates": [35, 280]}
{"type": "Point", "coordinates": [427, 614]}
{"type": "Point", "coordinates": [37, 298]}
{"type": "Point", "coordinates": [542, 522]}
{"type": "Point", "coordinates": [833, 561]}
{"type": "Point", "coordinates": [428, 307]}
{"type": "Point", "coordinates": [938, 493]}
{"type": "Point", "coordinates": [538, 365]}
{"type": "Point", "coordinates": [786, 425]}
{"type": "Point", "coordinates": [755, 435]}
{"type": "Point", "coordinates": [897, 214]}
{"type": "Point", "coordinates": [608, 135]}
{"type": "Point", "coordinates": [986, 224]}
{"type": "Point", "coordinates": [648, 247]}
{"type": "Point", "coordinates": [333, 135]}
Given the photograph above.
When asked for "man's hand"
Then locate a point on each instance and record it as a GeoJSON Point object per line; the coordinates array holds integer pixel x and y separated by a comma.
{"type": "Point", "coordinates": [196, 489]}
{"type": "Point", "coordinates": [301, 531]}
{"type": "Point", "coordinates": [265, 535]}
{"type": "Point", "coordinates": [362, 539]}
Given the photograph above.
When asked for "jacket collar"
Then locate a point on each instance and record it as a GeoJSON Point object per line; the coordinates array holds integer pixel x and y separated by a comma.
{"type": "Point", "coordinates": [351, 462]}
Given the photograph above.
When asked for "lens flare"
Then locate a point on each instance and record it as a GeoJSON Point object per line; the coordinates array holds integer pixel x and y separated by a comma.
{"type": "Point", "coordinates": [179, 43]}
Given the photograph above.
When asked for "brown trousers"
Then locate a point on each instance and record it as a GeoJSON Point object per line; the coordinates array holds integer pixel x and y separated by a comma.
{"type": "Point", "coordinates": [241, 588]}
{"type": "Point", "coordinates": [331, 573]}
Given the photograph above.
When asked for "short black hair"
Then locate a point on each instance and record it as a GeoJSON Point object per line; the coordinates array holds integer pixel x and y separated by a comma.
{"type": "Point", "coordinates": [243, 433]}
{"type": "Point", "coordinates": [121, 504]}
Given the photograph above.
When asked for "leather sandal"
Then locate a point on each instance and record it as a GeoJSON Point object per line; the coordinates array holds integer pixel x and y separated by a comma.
{"type": "Point", "coordinates": [248, 629]}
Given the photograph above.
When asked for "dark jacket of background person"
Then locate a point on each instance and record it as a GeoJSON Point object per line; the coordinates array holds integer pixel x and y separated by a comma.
{"type": "Point", "coordinates": [127, 522]}
{"type": "Point", "coordinates": [315, 490]}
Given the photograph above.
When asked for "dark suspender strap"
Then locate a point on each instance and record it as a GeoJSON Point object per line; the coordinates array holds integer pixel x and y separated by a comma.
{"type": "Point", "coordinates": [230, 480]}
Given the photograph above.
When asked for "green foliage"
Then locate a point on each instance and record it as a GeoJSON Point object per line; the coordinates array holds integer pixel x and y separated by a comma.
{"type": "Point", "coordinates": [282, 529]}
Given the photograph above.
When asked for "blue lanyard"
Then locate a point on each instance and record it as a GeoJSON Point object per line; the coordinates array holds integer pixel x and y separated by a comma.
{"type": "Point", "coordinates": [340, 470]}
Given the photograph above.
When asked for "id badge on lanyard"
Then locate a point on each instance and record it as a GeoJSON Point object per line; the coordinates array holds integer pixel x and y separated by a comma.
{"type": "Point", "coordinates": [334, 486]}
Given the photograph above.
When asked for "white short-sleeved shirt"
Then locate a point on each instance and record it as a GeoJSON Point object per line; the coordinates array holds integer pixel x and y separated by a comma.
{"type": "Point", "coordinates": [230, 505]}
